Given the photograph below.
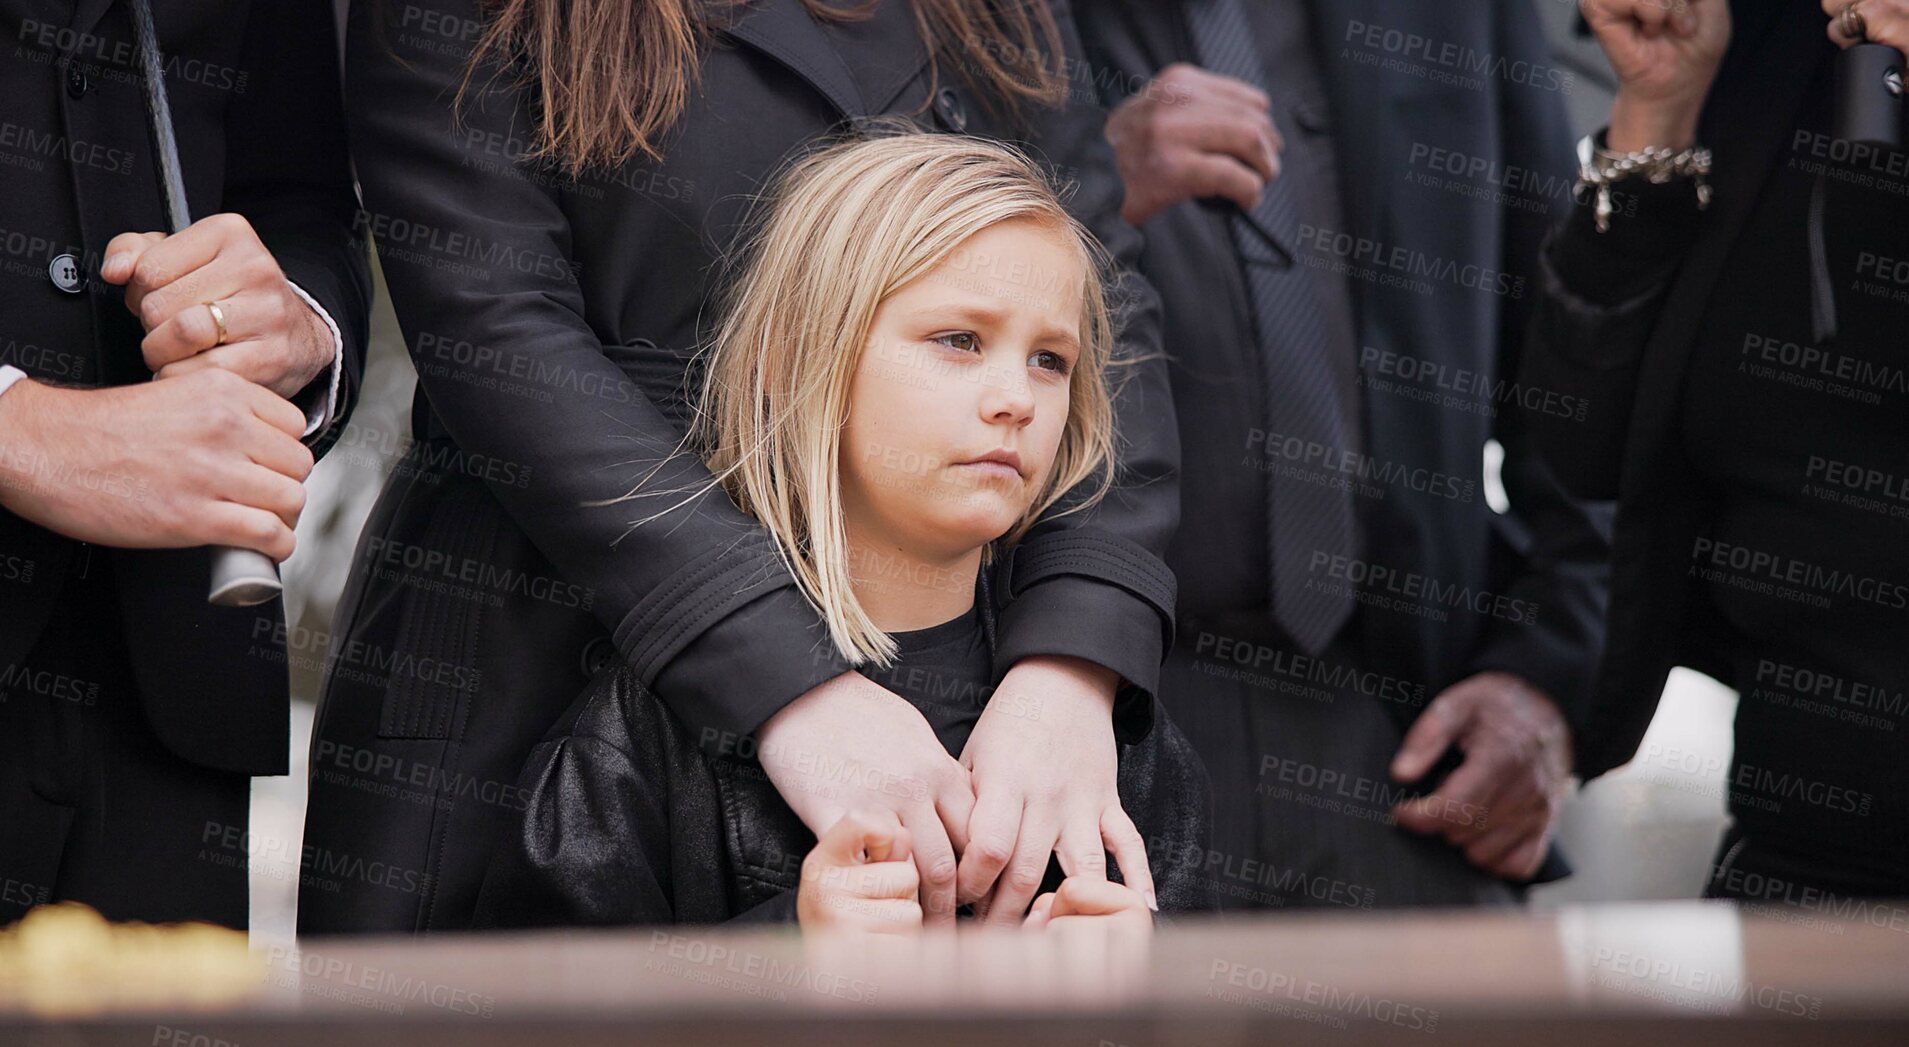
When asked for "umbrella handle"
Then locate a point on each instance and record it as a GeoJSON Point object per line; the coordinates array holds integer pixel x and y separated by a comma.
{"type": "Point", "coordinates": [242, 578]}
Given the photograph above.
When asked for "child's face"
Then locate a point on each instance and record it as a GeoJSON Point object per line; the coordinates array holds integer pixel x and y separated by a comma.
{"type": "Point", "coordinates": [971, 360]}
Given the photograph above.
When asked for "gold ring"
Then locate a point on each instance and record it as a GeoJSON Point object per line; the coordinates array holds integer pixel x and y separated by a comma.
{"type": "Point", "coordinates": [1852, 22]}
{"type": "Point", "coordinates": [218, 317]}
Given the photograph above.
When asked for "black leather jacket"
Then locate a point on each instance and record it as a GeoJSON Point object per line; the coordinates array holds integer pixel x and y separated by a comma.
{"type": "Point", "coordinates": [631, 817]}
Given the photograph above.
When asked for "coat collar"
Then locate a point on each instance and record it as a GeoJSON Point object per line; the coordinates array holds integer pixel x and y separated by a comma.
{"type": "Point", "coordinates": [783, 30]}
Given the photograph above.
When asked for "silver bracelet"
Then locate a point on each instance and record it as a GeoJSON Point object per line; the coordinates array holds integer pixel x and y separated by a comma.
{"type": "Point", "coordinates": [1598, 168]}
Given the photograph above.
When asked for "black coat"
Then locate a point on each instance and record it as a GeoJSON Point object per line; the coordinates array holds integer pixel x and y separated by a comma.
{"type": "Point", "coordinates": [255, 103]}
{"type": "Point", "coordinates": [552, 324]}
{"type": "Point", "coordinates": [1548, 551]}
{"type": "Point", "coordinates": [1629, 359]}
{"type": "Point", "coordinates": [631, 818]}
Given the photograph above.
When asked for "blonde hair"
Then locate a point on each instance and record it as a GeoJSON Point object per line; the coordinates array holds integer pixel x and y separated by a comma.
{"type": "Point", "coordinates": [847, 227]}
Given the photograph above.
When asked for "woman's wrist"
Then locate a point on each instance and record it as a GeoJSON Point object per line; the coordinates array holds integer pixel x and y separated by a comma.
{"type": "Point", "coordinates": [1644, 124]}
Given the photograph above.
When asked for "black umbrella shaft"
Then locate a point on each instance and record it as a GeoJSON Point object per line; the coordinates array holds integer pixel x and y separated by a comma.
{"type": "Point", "coordinates": [165, 145]}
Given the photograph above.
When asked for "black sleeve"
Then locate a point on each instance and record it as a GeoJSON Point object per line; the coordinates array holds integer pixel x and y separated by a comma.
{"type": "Point", "coordinates": [1094, 585]}
{"type": "Point", "coordinates": [1554, 549]}
{"type": "Point", "coordinates": [287, 172]}
{"type": "Point", "coordinates": [1599, 295]}
{"type": "Point", "coordinates": [697, 600]}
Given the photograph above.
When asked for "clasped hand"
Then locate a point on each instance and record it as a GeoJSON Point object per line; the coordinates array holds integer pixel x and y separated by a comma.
{"type": "Point", "coordinates": [1038, 777]}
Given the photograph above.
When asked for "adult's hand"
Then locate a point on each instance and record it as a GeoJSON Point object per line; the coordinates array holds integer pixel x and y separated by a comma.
{"type": "Point", "coordinates": [202, 459]}
{"type": "Point", "coordinates": [1884, 22]}
{"type": "Point", "coordinates": [851, 744]}
{"type": "Point", "coordinates": [273, 337]}
{"type": "Point", "coordinates": [1665, 54]}
{"type": "Point", "coordinates": [1190, 134]}
{"type": "Point", "coordinates": [1500, 805]}
{"type": "Point", "coordinates": [1044, 767]}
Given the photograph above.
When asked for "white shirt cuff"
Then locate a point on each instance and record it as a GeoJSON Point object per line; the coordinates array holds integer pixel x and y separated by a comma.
{"type": "Point", "coordinates": [319, 414]}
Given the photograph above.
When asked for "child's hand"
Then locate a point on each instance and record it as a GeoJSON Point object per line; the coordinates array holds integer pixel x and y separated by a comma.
{"type": "Point", "coordinates": [861, 877]}
{"type": "Point", "coordinates": [1083, 900]}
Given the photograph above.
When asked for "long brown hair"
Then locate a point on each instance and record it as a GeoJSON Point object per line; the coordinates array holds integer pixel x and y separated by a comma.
{"type": "Point", "coordinates": [610, 77]}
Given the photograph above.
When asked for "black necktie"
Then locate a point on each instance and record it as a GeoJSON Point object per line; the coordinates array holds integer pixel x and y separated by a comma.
{"type": "Point", "coordinates": [1311, 392]}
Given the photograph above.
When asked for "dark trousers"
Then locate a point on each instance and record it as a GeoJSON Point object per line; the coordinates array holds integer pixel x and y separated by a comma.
{"type": "Point", "coordinates": [1298, 753]}
{"type": "Point", "coordinates": [93, 808]}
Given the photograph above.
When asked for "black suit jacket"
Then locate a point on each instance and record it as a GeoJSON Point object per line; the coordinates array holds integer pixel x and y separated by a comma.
{"type": "Point", "coordinates": [1548, 551]}
{"type": "Point", "coordinates": [255, 103]}
{"type": "Point", "coordinates": [1629, 360]}
{"type": "Point", "coordinates": [553, 326]}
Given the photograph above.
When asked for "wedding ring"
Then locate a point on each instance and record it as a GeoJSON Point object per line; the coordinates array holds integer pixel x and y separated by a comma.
{"type": "Point", "coordinates": [1852, 23]}
{"type": "Point", "coordinates": [218, 317]}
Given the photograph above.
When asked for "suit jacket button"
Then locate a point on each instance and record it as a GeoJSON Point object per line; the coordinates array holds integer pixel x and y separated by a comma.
{"type": "Point", "coordinates": [598, 654]}
{"type": "Point", "coordinates": [64, 271]}
{"type": "Point", "coordinates": [948, 106]}
{"type": "Point", "coordinates": [77, 83]}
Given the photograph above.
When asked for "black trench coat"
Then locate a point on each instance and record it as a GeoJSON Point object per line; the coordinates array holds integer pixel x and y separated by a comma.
{"type": "Point", "coordinates": [552, 323]}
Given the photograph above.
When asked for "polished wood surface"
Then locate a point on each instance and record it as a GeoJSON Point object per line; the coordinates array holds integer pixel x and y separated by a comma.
{"type": "Point", "coordinates": [1683, 973]}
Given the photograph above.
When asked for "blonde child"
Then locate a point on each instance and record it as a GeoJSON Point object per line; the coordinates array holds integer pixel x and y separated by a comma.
{"type": "Point", "coordinates": [909, 370]}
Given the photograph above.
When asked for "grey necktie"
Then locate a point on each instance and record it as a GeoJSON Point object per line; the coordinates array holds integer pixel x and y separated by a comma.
{"type": "Point", "coordinates": [1311, 389]}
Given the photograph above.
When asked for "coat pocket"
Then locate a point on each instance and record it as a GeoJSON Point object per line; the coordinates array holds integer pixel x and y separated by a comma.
{"type": "Point", "coordinates": [764, 840]}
